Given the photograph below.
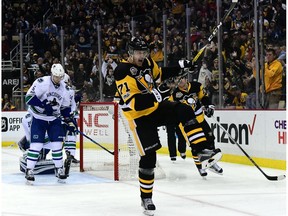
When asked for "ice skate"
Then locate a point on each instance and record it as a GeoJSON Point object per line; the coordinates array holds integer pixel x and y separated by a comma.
{"type": "Point", "coordinates": [209, 157]}
{"type": "Point", "coordinates": [183, 155]}
{"type": "Point", "coordinates": [29, 175]}
{"type": "Point", "coordinates": [74, 160]}
{"type": "Point", "coordinates": [202, 173]}
{"type": "Point", "coordinates": [60, 174]}
{"type": "Point", "coordinates": [173, 159]}
{"type": "Point", "coordinates": [148, 205]}
{"type": "Point", "coordinates": [216, 169]}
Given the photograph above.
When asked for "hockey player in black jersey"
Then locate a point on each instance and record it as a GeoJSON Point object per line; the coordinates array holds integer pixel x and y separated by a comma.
{"type": "Point", "coordinates": [194, 95]}
{"type": "Point", "coordinates": [144, 104]}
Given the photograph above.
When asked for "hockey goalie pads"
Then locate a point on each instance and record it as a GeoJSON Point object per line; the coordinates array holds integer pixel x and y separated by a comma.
{"type": "Point", "coordinates": [41, 167]}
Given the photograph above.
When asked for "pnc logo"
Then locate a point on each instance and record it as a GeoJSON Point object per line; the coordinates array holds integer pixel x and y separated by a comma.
{"type": "Point", "coordinates": [94, 120]}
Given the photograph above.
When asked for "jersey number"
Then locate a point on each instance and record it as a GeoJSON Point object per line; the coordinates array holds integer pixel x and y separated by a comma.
{"type": "Point", "coordinates": [121, 86]}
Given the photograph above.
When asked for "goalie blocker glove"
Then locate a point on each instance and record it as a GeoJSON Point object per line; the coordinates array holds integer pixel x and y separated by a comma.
{"type": "Point", "coordinates": [161, 93]}
{"type": "Point", "coordinates": [209, 110]}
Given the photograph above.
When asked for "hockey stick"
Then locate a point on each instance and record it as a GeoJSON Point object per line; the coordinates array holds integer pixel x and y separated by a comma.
{"type": "Point", "coordinates": [83, 134]}
{"type": "Point", "coordinates": [215, 30]}
{"type": "Point", "coordinates": [271, 178]}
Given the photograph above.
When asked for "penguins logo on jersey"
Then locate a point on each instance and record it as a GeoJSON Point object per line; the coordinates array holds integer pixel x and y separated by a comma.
{"type": "Point", "coordinates": [133, 71]}
{"type": "Point", "coordinates": [179, 94]}
{"type": "Point", "coordinates": [191, 99]}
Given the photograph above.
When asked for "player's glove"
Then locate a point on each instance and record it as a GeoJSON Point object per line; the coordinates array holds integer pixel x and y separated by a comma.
{"type": "Point", "coordinates": [186, 64]}
{"type": "Point", "coordinates": [162, 92]}
{"type": "Point", "coordinates": [209, 110]}
{"type": "Point", "coordinates": [70, 125]}
{"type": "Point", "coordinates": [48, 108]}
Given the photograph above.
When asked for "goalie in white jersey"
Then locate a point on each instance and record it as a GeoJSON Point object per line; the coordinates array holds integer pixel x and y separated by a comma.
{"type": "Point", "coordinates": [47, 98]}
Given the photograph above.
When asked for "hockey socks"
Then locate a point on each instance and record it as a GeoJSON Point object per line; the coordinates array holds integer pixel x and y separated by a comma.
{"type": "Point", "coordinates": [146, 180]}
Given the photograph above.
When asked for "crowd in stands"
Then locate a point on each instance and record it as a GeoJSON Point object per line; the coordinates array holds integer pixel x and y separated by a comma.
{"type": "Point", "coordinates": [79, 20]}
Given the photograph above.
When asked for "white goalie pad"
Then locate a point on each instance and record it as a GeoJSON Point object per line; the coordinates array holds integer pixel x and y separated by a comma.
{"type": "Point", "coordinates": [41, 167]}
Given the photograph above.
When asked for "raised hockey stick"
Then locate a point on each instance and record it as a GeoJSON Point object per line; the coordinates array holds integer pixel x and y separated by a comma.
{"type": "Point", "coordinates": [271, 178]}
{"type": "Point", "coordinates": [215, 30]}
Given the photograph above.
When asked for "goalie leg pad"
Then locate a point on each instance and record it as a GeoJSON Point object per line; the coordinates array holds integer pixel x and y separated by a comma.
{"type": "Point", "coordinates": [41, 167]}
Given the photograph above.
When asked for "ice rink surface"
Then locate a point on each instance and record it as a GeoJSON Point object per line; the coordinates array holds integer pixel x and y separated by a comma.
{"type": "Point", "coordinates": [242, 190]}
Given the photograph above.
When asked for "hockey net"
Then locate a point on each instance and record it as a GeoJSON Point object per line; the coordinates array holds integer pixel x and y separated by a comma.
{"type": "Point", "coordinates": [104, 124]}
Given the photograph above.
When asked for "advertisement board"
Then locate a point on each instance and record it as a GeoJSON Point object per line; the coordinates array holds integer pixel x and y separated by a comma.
{"type": "Point", "coordinates": [262, 134]}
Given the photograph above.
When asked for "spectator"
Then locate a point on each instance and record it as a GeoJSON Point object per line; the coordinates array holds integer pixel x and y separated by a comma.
{"type": "Point", "coordinates": [214, 87]}
{"type": "Point", "coordinates": [85, 97]}
{"type": "Point", "coordinates": [157, 53]}
{"type": "Point", "coordinates": [109, 89]}
{"type": "Point", "coordinates": [51, 29]}
{"type": "Point", "coordinates": [204, 75]}
{"type": "Point", "coordinates": [239, 100]}
{"type": "Point", "coordinates": [80, 76]}
{"type": "Point", "coordinates": [40, 41]}
{"type": "Point", "coordinates": [108, 61]}
{"type": "Point", "coordinates": [249, 82]}
{"type": "Point", "coordinates": [273, 80]}
{"type": "Point", "coordinates": [7, 104]}
{"type": "Point", "coordinates": [6, 48]}
{"type": "Point", "coordinates": [83, 39]}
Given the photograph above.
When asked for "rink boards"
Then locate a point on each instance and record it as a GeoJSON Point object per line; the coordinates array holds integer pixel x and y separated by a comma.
{"type": "Point", "coordinates": [262, 134]}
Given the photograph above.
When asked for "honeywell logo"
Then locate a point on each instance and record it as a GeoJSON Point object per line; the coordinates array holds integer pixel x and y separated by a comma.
{"type": "Point", "coordinates": [239, 132]}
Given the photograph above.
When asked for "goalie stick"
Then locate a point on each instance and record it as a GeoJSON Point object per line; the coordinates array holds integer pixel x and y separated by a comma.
{"type": "Point", "coordinates": [271, 178]}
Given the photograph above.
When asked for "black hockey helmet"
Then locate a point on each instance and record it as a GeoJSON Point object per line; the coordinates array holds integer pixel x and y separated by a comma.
{"type": "Point", "coordinates": [137, 44]}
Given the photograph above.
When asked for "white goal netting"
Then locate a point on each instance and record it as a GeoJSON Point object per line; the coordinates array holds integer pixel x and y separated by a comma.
{"type": "Point", "coordinates": [117, 157]}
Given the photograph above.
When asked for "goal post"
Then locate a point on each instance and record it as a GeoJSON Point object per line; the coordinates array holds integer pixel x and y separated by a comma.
{"type": "Point", "coordinates": [103, 123]}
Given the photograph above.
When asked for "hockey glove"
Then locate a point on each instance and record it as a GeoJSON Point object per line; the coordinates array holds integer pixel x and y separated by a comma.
{"type": "Point", "coordinates": [209, 110]}
{"type": "Point", "coordinates": [161, 93]}
{"type": "Point", "coordinates": [186, 64]}
{"type": "Point", "coordinates": [70, 126]}
{"type": "Point", "coordinates": [48, 108]}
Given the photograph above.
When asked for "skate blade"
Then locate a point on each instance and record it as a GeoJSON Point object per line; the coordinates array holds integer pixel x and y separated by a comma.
{"type": "Point", "coordinates": [214, 171]}
{"type": "Point", "coordinates": [61, 181]}
{"type": "Point", "coordinates": [149, 212]}
{"type": "Point", "coordinates": [28, 182]}
{"type": "Point", "coordinates": [211, 161]}
{"type": "Point", "coordinates": [204, 177]}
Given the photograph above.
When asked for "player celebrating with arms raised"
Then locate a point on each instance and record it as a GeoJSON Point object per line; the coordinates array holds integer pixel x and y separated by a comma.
{"type": "Point", "coordinates": [146, 108]}
{"type": "Point", "coordinates": [48, 97]}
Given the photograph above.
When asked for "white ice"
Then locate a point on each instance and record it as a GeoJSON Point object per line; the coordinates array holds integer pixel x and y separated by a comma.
{"type": "Point", "coordinates": [242, 190]}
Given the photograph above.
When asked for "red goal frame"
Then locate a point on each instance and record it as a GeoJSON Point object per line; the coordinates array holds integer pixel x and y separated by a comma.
{"type": "Point", "coordinates": [81, 120]}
